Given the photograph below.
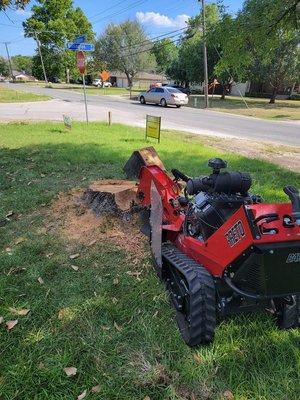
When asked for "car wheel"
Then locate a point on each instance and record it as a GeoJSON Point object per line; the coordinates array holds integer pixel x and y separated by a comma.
{"type": "Point", "coordinates": [142, 100]}
{"type": "Point", "coordinates": [163, 103]}
{"type": "Point", "coordinates": [178, 105]}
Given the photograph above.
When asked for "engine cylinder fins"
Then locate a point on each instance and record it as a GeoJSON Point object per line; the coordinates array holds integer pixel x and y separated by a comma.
{"type": "Point", "coordinates": [192, 292]}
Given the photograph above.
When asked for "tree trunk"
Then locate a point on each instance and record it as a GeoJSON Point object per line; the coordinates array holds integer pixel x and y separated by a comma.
{"type": "Point", "coordinates": [273, 96]}
{"type": "Point", "coordinates": [223, 92]}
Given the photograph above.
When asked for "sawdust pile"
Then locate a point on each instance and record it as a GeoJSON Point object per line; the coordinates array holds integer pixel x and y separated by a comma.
{"type": "Point", "coordinates": [76, 222]}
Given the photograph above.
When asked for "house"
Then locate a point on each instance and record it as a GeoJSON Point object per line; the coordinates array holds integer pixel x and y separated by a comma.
{"type": "Point", "coordinates": [141, 80]}
{"type": "Point", "coordinates": [22, 76]}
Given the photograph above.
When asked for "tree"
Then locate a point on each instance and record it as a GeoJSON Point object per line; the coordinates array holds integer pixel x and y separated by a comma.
{"type": "Point", "coordinates": [4, 67]}
{"type": "Point", "coordinates": [257, 46]}
{"type": "Point", "coordinates": [56, 22]}
{"type": "Point", "coordinates": [125, 47]}
{"type": "Point", "coordinates": [4, 4]}
{"type": "Point", "coordinates": [165, 52]}
{"type": "Point", "coordinates": [22, 63]}
{"type": "Point", "coordinates": [189, 65]}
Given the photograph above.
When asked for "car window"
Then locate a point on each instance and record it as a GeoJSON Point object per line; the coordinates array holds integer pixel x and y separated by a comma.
{"type": "Point", "coordinates": [173, 90]}
{"type": "Point", "coordinates": [152, 90]}
{"type": "Point", "coordinates": [159, 90]}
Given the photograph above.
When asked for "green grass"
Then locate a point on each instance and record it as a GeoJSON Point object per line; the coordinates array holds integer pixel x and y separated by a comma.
{"type": "Point", "coordinates": [259, 108]}
{"type": "Point", "coordinates": [249, 357]}
{"type": "Point", "coordinates": [110, 91]}
{"type": "Point", "coordinates": [9, 95]}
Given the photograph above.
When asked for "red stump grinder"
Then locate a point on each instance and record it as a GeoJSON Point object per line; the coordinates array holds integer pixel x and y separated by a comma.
{"type": "Point", "coordinates": [218, 248]}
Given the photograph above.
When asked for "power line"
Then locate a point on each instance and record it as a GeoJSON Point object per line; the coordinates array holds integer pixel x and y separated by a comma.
{"type": "Point", "coordinates": [130, 7]}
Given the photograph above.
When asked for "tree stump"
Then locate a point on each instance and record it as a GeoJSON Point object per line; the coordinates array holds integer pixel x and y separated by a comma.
{"type": "Point", "coordinates": [111, 197]}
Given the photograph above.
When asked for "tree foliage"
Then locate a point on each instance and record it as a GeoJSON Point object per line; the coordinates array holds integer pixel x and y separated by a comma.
{"type": "Point", "coordinates": [259, 46]}
{"type": "Point", "coordinates": [22, 63]}
{"type": "Point", "coordinates": [125, 47]}
{"type": "Point", "coordinates": [165, 52]}
{"type": "Point", "coordinates": [4, 70]}
{"type": "Point", "coordinates": [4, 4]}
{"type": "Point", "coordinates": [56, 22]}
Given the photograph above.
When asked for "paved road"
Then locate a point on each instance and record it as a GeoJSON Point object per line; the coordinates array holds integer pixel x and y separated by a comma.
{"type": "Point", "coordinates": [130, 112]}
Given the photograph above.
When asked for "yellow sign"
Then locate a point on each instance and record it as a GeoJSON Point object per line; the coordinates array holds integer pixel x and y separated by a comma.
{"type": "Point", "coordinates": [153, 125]}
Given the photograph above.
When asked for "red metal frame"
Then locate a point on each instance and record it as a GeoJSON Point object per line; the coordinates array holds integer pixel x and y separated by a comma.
{"type": "Point", "coordinates": [216, 254]}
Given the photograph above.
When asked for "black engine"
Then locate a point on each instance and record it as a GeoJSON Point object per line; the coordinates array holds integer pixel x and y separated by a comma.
{"type": "Point", "coordinates": [215, 198]}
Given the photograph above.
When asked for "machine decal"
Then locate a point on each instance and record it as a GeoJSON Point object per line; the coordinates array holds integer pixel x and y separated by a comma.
{"type": "Point", "coordinates": [293, 258]}
{"type": "Point", "coordinates": [235, 234]}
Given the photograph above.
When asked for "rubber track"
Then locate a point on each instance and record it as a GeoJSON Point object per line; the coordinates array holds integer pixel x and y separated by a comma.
{"type": "Point", "coordinates": [202, 297]}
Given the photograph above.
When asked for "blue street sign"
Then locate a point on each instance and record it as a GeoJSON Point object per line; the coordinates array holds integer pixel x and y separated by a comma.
{"type": "Point", "coordinates": [86, 47]}
{"type": "Point", "coordinates": [80, 46]}
{"type": "Point", "coordinates": [73, 46]}
{"type": "Point", "coordinates": [80, 39]}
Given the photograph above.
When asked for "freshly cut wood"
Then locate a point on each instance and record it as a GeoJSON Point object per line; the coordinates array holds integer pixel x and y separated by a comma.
{"type": "Point", "coordinates": [139, 158]}
{"type": "Point", "coordinates": [109, 196]}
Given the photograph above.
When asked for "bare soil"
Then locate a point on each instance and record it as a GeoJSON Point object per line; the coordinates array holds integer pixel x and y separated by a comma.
{"type": "Point", "coordinates": [285, 156]}
{"type": "Point", "coordinates": [76, 223]}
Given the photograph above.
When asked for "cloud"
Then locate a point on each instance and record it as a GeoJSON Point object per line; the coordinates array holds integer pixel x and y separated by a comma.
{"type": "Point", "coordinates": [24, 13]}
{"type": "Point", "coordinates": [162, 20]}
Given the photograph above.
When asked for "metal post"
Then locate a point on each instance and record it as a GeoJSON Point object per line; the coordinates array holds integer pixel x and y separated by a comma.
{"type": "Point", "coordinates": [9, 60]}
{"type": "Point", "coordinates": [206, 103]}
{"type": "Point", "coordinates": [85, 102]}
{"type": "Point", "coordinates": [41, 56]}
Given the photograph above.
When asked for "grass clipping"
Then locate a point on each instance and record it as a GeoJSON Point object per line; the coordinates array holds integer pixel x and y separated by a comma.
{"type": "Point", "coordinates": [79, 218]}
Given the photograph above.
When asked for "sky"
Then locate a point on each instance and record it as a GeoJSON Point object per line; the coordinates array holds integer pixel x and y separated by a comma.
{"type": "Point", "coordinates": [157, 17]}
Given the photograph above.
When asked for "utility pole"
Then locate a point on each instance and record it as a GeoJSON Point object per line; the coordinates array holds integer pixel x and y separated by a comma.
{"type": "Point", "coordinates": [9, 60]}
{"type": "Point", "coordinates": [41, 56]}
{"type": "Point", "coordinates": [206, 103]}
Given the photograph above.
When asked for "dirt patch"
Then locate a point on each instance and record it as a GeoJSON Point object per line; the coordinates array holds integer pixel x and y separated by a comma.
{"type": "Point", "coordinates": [77, 223]}
{"type": "Point", "coordinates": [285, 156]}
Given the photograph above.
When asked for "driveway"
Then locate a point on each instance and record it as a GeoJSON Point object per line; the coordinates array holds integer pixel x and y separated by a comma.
{"type": "Point", "coordinates": [130, 112]}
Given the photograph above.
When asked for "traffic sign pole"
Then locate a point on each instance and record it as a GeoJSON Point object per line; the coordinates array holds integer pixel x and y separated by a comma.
{"type": "Point", "coordinates": [85, 102]}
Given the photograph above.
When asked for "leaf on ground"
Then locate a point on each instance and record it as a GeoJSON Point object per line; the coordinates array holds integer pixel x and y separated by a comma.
{"type": "Point", "coordinates": [82, 395]}
{"type": "Point", "coordinates": [22, 312]}
{"type": "Point", "coordinates": [118, 328]}
{"type": "Point", "coordinates": [147, 398]}
{"type": "Point", "coordinates": [96, 389]}
{"type": "Point", "coordinates": [116, 281]}
{"type": "Point", "coordinates": [70, 371]}
{"type": "Point", "coordinates": [20, 240]}
{"type": "Point", "coordinates": [114, 300]}
{"type": "Point", "coordinates": [8, 250]}
{"type": "Point", "coordinates": [11, 324]}
{"type": "Point", "coordinates": [228, 395]}
{"type": "Point", "coordinates": [73, 256]}
{"type": "Point", "coordinates": [198, 358]}
{"type": "Point", "coordinates": [74, 267]}
{"type": "Point", "coordinates": [40, 280]}
{"type": "Point", "coordinates": [49, 255]}
{"type": "Point", "coordinates": [1, 320]}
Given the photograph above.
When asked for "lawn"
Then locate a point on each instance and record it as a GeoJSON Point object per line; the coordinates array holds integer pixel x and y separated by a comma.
{"type": "Point", "coordinates": [110, 91]}
{"type": "Point", "coordinates": [117, 330]}
{"type": "Point", "coordinates": [9, 95]}
{"type": "Point", "coordinates": [259, 108]}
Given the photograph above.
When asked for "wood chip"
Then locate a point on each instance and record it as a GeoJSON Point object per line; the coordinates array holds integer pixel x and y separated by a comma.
{"type": "Point", "coordinates": [73, 256]}
{"type": "Point", "coordinates": [70, 371]}
{"type": "Point", "coordinates": [11, 324]}
{"type": "Point", "coordinates": [74, 267]}
{"type": "Point", "coordinates": [96, 389]}
{"type": "Point", "coordinates": [92, 242]}
{"type": "Point", "coordinates": [9, 214]}
{"type": "Point", "coordinates": [82, 395]}
{"type": "Point", "coordinates": [40, 280]}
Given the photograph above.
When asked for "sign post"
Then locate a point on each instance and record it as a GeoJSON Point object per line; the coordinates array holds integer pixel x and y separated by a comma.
{"type": "Point", "coordinates": [153, 127]}
{"type": "Point", "coordinates": [80, 57]}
